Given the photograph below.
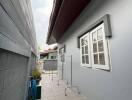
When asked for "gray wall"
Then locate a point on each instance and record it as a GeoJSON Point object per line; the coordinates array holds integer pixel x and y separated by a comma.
{"type": "Point", "coordinates": [50, 65]}
{"type": "Point", "coordinates": [17, 48]}
{"type": "Point", "coordinates": [100, 84]}
{"type": "Point", "coordinates": [16, 27]}
{"type": "Point", "coordinates": [33, 62]}
{"type": "Point", "coordinates": [13, 70]}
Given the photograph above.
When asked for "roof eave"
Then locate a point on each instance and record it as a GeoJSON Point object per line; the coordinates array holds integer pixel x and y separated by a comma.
{"type": "Point", "coordinates": [60, 20]}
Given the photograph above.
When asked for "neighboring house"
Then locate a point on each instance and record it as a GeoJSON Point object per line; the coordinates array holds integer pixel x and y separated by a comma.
{"type": "Point", "coordinates": [48, 55]}
{"type": "Point", "coordinates": [94, 43]}
{"type": "Point", "coordinates": [17, 48]}
{"type": "Point", "coordinates": [50, 59]}
{"type": "Point", "coordinates": [52, 56]}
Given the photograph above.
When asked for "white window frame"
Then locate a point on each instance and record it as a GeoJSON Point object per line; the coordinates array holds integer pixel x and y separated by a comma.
{"type": "Point", "coordinates": [106, 50]}
{"type": "Point", "coordinates": [105, 42]}
{"type": "Point", "coordinates": [85, 65]}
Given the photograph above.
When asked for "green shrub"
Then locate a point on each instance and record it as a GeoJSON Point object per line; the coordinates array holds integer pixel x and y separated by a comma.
{"type": "Point", "coordinates": [36, 74]}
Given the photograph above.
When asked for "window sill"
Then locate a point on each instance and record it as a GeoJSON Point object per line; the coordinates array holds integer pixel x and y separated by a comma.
{"type": "Point", "coordinates": [96, 68]}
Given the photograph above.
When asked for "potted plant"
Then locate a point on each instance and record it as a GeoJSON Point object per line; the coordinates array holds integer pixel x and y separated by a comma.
{"type": "Point", "coordinates": [36, 75]}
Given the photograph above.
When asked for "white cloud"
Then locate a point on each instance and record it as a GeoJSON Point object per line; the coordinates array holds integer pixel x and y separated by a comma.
{"type": "Point", "coordinates": [41, 11]}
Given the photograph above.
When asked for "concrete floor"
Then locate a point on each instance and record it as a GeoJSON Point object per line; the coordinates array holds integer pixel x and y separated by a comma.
{"type": "Point", "coordinates": [51, 90]}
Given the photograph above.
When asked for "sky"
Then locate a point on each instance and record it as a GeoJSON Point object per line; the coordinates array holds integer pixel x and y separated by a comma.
{"type": "Point", "coordinates": [41, 13]}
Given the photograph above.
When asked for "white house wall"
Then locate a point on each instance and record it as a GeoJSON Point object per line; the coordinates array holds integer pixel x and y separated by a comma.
{"type": "Point", "coordinates": [100, 84]}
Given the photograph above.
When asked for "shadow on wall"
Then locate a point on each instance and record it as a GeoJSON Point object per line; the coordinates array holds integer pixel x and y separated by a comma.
{"type": "Point", "coordinates": [13, 71]}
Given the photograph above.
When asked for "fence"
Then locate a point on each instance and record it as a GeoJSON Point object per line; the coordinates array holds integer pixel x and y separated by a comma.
{"type": "Point", "coordinates": [65, 72]}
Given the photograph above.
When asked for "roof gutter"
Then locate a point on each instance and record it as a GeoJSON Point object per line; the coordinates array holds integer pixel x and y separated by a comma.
{"type": "Point", "coordinates": [53, 17]}
{"type": "Point", "coordinates": [63, 15]}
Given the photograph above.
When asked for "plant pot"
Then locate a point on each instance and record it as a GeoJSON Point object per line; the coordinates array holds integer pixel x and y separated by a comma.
{"type": "Point", "coordinates": [37, 81]}
{"type": "Point", "coordinates": [38, 94]}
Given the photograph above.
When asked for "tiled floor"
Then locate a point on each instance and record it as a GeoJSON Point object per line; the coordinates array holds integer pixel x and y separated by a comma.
{"type": "Point", "coordinates": [51, 91]}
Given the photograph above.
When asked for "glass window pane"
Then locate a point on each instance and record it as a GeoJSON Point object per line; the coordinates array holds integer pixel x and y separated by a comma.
{"type": "Point", "coordinates": [86, 49]}
{"type": "Point", "coordinates": [83, 59]}
{"type": "Point", "coordinates": [86, 40]}
{"type": "Point", "coordinates": [82, 50]}
{"type": "Point", "coordinates": [82, 42]}
{"type": "Point", "coordinates": [95, 58]}
{"type": "Point", "coordinates": [100, 34]}
{"type": "Point", "coordinates": [102, 58]}
{"type": "Point", "coordinates": [100, 46]}
{"type": "Point", "coordinates": [87, 59]}
{"type": "Point", "coordinates": [95, 47]}
{"type": "Point", "coordinates": [94, 36]}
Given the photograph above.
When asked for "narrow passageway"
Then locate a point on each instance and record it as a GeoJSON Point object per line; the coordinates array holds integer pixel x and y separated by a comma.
{"type": "Point", "coordinates": [51, 90]}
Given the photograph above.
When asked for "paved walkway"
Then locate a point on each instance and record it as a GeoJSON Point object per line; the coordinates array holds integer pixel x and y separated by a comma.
{"type": "Point", "coordinates": [51, 91]}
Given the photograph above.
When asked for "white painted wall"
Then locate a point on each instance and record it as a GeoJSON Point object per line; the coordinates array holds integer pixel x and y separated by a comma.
{"type": "Point", "coordinates": [100, 84]}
